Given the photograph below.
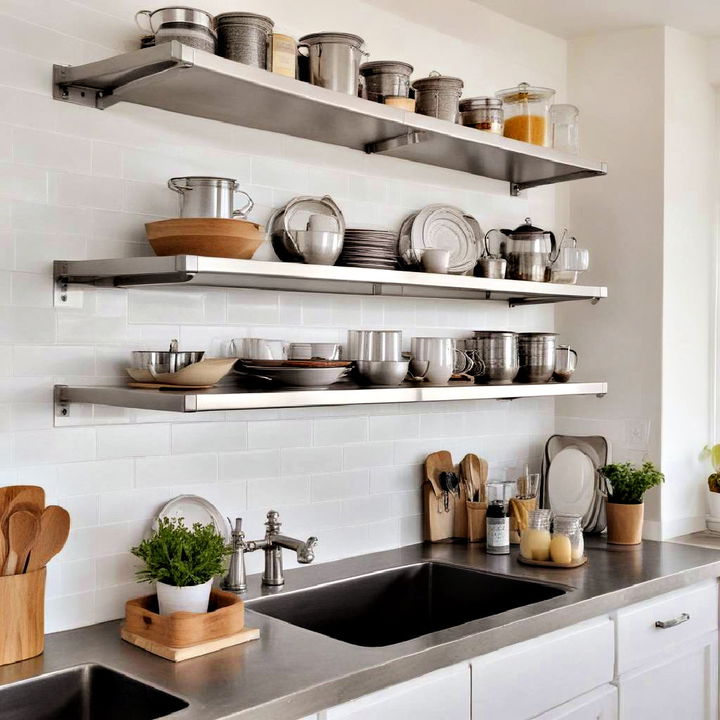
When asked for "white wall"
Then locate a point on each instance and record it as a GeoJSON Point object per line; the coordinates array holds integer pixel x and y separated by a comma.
{"type": "Point", "coordinates": [78, 183]}
{"type": "Point", "coordinates": [648, 107]}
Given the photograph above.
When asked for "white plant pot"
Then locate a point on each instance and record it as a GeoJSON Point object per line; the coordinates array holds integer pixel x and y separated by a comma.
{"type": "Point", "coordinates": [192, 598]}
{"type": "Point", "coordinates": [713, 500]}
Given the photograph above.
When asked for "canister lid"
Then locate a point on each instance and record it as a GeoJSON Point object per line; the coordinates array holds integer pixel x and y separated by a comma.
{"type": "Point", "coordinates": [479, 103]}
{"type": "Point", "coordinates": [386, 66]}
{"type": "Point", "coordinates": [332, 37]}
{"type": "Point", "coordinates": [245, 18]}
{"type": "Point", "coordinates": [436, 81]}
{"type": "Point", "coordinates": [525, 93]}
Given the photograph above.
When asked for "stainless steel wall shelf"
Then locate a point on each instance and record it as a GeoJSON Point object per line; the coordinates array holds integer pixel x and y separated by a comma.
{"type": "Point", "coordinates": [174, 77]}
{"type": "Point", "coordinates": [193, 270]}
{"type": "Point", "coordinates": [232, 398]}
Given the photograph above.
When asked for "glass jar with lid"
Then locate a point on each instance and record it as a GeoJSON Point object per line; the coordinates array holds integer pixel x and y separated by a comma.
{"type": "Point", "coordinates": [482, 113]}
{"type": "Point", "coordinates": [535, 539]}
{"type": "Point", "coordinates": [527, 113]}
{"type": "Point", "coordinates": [567, 544]}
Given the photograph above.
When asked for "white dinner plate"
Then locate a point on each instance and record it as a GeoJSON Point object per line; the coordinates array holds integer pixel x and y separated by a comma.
{"type": "Point", "coordinates": [571, 482]}
{"type": "Point", "coordinates": [195, 509]}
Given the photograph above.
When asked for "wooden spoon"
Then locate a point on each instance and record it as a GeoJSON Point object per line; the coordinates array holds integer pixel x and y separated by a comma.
{"type": "Point", "coordinates": [23, 528]}
{"type": "Point", "coordinates": [54, 530]}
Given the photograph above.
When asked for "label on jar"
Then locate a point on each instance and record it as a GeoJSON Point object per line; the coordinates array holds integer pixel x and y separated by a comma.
{"type": "Point", "coordinates": [498, 535]}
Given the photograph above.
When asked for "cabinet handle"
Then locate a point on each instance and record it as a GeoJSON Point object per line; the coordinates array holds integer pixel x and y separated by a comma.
{"type": "Point", "coordinates": [679, 620]}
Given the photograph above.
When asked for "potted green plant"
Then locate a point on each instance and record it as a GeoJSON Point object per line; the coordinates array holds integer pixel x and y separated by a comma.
{"type": "Point", "coordinates": [713, 454]}
{"type": "Point", "coordinates": [182, 563]}
{"type": "Point", "coordinates": [626, 485]}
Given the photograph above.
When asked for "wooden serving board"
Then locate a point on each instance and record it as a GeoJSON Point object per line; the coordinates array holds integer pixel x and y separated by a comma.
{"type": "Point", "coordinates": [179, 654]}
{"type": "Point", "coordinates": [551, 564]}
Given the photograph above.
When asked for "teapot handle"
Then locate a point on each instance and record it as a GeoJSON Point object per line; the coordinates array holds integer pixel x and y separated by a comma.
{"type": "Point", "coordinates": [486, 249]}
{"type": "Point", "coordinates": [554, 250]}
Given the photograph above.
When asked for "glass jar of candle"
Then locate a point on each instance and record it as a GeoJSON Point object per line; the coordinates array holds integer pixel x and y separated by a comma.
{"type": "Point", "coordinates": [526, 110]}
{"type": "Point", "coordinates": [567, 544]}
{"type": "Point", "coordinates": [535, 540]}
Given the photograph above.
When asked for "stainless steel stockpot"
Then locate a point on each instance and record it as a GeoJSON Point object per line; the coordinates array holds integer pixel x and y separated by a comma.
{"type": "Point", "coordinates": [498, 350]}
{"type": "Point", "coordinates": [334, 59]}
{"type": "Point", "coordinates": [189, 26]}
{"type": "Point", "coordinates": [165, 361]}
{"type": "Point", "coordinates": [209, 197]}
{"type": "Point", "coordinates": [536, 352]}
{"type": "Point", "coordinates": [386, 78]}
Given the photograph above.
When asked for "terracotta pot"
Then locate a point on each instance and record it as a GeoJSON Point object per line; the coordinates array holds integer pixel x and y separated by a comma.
{"type": "Point", "coordinates": [624, 523]}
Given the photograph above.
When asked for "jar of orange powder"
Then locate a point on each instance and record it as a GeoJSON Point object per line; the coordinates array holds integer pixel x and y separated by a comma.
{"type": "Point", "coordinates": [527, 113]}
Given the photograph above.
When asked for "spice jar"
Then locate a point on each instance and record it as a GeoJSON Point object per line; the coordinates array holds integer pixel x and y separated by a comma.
{"type": "Point", "coordinates": [283, 55]}
{"type": "Point", "coordinates": [567, 544]}
{"type": "Point", "coordinates": [438, 96]}
{"type": "Point", "coordinates": [527, 113]}
{"type": "Point", "coordinates": [535, 540]}
{"type": "Point", "coordinates": [482, 113]}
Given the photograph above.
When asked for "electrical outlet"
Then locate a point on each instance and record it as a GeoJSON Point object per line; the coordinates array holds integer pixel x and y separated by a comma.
{"type": "Point", "coordinates": [637, 434]}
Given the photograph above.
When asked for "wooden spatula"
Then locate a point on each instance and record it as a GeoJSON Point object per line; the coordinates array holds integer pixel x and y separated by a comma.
{"type": "Point", "coordinates": [54, 530]}
{"type": "Point", "coordinates": [17, 497]}
{"type": "Point", "coordinates": [23, 528]}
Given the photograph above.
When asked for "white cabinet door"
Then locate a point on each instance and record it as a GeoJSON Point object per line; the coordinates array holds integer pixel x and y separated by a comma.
{"type": "Point", "coordinates": [681, 684]}
{"type": "Point", "coordinates": [441, 695]}
{"type": "Point", "coordinates": [524, 680]}
{"type": "Point", "coordinates": [600, 704]}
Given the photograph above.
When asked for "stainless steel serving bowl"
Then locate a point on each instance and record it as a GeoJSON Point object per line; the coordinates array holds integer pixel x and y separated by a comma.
{"type": "Point", "coordinates": [382, 372]}
{"type": "Point", "coordinates": [164, 361]}
{"type": "Point", "coordinates": [316, 247]}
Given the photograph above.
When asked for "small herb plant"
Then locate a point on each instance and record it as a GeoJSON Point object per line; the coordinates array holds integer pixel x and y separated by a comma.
{"type": "Point", "coordinates": [714, 454]}
{"type": "Point", "coordinates": [181, 556]}
{"type": "Point", "coordinates": [626, 484]}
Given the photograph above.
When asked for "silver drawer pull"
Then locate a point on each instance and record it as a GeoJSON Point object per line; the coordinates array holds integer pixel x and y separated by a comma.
{"type": "Point", "coordinates": [679, 620]}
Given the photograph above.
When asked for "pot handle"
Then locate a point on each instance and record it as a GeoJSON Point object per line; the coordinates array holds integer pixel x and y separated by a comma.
{"type": "Point", "coordinates": [177, 188]}
{"type": "Point", "coordinates": [148, 14]}
{"type": "Point", "coordinates": [243, 212]}
{"type": "Point", "coordinates": [303, 46]}
{"type": "Point", "coordinates": [486, 249]}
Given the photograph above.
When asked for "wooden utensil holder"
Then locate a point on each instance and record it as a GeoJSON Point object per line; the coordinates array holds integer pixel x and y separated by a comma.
{"type": "Point", "coordinates": [476, 516]}
{"type": "Point", "coordinates": [22, 616]}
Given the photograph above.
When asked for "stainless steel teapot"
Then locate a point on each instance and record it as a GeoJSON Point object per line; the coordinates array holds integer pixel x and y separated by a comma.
{"type": "Point", "coordinates": [529, 251]}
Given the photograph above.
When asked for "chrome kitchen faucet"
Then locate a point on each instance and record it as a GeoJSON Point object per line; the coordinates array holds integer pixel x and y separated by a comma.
{"type": "Point", "coordinates": [272, 544]}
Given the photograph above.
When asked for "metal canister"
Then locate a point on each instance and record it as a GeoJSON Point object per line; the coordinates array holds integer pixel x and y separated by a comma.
{"type": "Point", "coordinates": [244, 37]}
{"type": "Point", "coordinates": [536, 352]}
{"type": "Point", "coordinates": [498, 350]}
{"type": "Point", "coordinates": [438, 96]}
{"type": "Point", "coordinates": [385, 78]}
{"type": "Point", "coordinates": [190, 26]}
{"type": "Point", "coordinates": [334, 60]}
{"type": "Point", "coordinates": [482, 113]}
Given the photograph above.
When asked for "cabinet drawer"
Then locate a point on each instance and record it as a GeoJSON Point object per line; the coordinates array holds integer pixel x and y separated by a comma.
{"type": "Point", "coordinates": [600, 704]}
{"type": "Point", "coordinates": [441, 694]}
{"type": "Point", "coordinates": [524, 680]}
{"type": "Point", "coordinates": [694, 609]}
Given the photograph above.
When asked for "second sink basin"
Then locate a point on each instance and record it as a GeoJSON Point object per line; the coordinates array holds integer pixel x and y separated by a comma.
{"type": "Point", "coordinates": [392, 606]}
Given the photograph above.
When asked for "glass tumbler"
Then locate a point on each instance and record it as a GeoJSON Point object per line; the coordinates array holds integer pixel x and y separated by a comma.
{"type": "Point", "coordinates": [567, 544]}
{"type": "Point", "coordinates": [564, 128]}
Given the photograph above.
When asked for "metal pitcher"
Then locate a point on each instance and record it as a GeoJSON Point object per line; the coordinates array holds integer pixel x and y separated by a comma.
{"type": "Point", "coordinates": [529, 251]}
{"type": "Point", "coordinates": [334, 60]}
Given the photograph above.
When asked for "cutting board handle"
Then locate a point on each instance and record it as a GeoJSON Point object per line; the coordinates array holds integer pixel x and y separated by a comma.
{"type": "Point", "coordinates": [22, 613]}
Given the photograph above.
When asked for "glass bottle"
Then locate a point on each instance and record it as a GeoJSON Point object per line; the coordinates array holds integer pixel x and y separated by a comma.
{"type": "Point", "coordinates": [565, 132]}
{"type": "Point", "coordinates": [535, 540]}
{"type": "Point", "coordinates": [567, 544]}
{"type": "Point", "coordinates": [497, 520]}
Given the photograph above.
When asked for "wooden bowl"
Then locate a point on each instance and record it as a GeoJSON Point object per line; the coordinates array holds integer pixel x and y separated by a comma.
{"type": "Point", "coordinates": [211, 237]}
{"type": "Point", "coordinates": [205, 373]}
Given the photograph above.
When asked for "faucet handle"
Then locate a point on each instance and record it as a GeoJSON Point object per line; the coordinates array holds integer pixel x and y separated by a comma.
{"type": "Point", "coordinates": [272, 523]}
{"type": "Point", "coordinates": [238, 536]}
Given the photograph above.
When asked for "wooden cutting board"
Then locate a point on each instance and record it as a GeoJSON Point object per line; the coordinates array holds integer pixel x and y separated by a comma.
{"type": "Point", "coordinates": [438, 521]}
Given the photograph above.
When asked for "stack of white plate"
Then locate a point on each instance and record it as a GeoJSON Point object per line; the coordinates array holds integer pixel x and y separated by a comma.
{"type": "Point", "coordinates": [369, 249]}
{"type": "Point", "coordinates": [445, 227]}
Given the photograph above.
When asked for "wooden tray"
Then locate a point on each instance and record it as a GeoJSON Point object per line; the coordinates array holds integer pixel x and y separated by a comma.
{"type": "Point", "coordinates": [551, 564]}
{"type": "Point", "coordinates": [226, 616]}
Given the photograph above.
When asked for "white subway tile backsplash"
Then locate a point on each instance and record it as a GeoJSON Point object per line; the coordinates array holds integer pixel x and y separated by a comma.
{"type": "Point", "coordinates": [203, 437]}
{"type": "Point", "coordinates": [176, 470]}
{"type": "Point", "coordinates": [51, 150]}
{"type": "Point", "coordinates": [265, 493]}
{"type": "Point", "coordinates": [23, 183]}
{"type": "Point", "coordinates": [59, 445]}
{"type": "Point", "coordinates": [295, 461]}
{"type": "Point", "coordinates": [85, 191]}
{"type": "Point", "coordinates": [248, 465]}
{"type": "Point", "coordinates": [338, 486]}
{"type": "Point", "coordinates": [367, 455]}
{"type": "Point", "coordinates": [133, 441]}
{"type": "Point", "coordinates": [340, 431]}
{"type": "Point", "coordinates": [279, 434]}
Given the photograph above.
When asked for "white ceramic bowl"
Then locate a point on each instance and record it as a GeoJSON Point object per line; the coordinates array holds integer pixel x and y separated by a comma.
{"type": "Point", "coordinates": [300, 376]}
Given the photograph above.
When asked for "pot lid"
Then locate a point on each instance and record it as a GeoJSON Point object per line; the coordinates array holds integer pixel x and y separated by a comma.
{"type": "Point", "coordinates": [244, 18]}
{"type": "Point", "coordinates": [525, 93]}
{"type": "Point", "coordinates": [386, 66]}
{"type": "Point", "coordinates": [436, 81]}
{"type": "Point", "coordinates": [332, 37]}
{"type": "Point", "coordinates": [525, 229]}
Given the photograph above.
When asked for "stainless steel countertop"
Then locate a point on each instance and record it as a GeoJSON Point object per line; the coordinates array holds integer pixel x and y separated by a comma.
{"type": "Point", "coordinates": [290, 672]}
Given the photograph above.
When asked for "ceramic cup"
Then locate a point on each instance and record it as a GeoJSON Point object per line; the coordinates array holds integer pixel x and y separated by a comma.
{"type": "Point", "coordinates": [259, 349]}
{"type": "Point", "coordinates": [436, 260]}
{"type": "Point", "coordinates": [441, 357]}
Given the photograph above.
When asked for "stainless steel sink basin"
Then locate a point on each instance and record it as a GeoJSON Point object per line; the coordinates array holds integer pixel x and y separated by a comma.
{"type": "Point", "coordinates": [85, 692]}
{"type": "Point", "coordinates": [392, 606]}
